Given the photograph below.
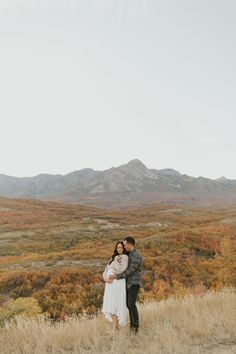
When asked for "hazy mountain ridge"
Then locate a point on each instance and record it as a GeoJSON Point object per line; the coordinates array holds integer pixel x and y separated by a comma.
{"type": "Point", "coordinates": [127, 185]}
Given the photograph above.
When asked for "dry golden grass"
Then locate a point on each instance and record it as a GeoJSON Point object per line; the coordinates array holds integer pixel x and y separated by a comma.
{"type": "Point", "coordinates": [192, 325]}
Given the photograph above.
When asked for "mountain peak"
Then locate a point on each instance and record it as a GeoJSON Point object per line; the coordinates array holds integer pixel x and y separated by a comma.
{"type": "Point", "coordinates": [136, 169]}
{"type": "Point", "coordinates": [136, 162]}
{"type": "Point", "coordinates": [222, 178]}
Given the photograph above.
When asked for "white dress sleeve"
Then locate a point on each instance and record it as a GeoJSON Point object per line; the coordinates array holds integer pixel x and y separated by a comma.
{"type": "Point", "coordinates": [104, 275]}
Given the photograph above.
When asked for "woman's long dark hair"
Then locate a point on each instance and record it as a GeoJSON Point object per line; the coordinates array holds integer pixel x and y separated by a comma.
{"type": "Point", "coordinates": [115, 253]}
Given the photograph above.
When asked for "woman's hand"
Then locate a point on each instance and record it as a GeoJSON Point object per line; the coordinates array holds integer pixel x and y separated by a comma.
{"type": "Point", "coordinates": [112, 277]}
{"type": "Point", "coordinates": [109, 280]}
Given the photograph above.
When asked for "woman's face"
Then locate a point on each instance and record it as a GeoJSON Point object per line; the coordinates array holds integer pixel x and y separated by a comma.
{"type": "Point", "coordinates": [119, 248]}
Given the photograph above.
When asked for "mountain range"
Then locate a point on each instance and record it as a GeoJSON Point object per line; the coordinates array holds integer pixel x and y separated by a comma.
{"type": "Point", "coordinates": [128, 185]}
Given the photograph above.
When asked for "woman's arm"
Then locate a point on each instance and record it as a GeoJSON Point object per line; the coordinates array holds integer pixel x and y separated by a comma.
{"type": "Point", "coordinates": [104, 275]}
{"type": "Point", "coordinates": [121, 263]}
{"type": "Point", "coordinates": [124, 263]}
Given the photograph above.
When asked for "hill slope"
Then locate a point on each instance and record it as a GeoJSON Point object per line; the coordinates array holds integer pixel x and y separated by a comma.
{"type": "Point", "coordinates": [45, 243]}
{"type": "Point", "coordinates": [128, 185]}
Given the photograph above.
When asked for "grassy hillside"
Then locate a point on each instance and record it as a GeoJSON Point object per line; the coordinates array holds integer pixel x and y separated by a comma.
{"type": "Point", "coordinates": [55, 253]}
{"type": "Point", "coordinates": [194, 324]}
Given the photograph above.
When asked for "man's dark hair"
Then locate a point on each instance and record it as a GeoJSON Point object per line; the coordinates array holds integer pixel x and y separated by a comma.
{"type": "Point", "coordinates": [130, 239]}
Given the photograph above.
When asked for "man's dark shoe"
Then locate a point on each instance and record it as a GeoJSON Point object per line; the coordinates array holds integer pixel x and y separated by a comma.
{"type": "Point", "coordinates": [133, 329]}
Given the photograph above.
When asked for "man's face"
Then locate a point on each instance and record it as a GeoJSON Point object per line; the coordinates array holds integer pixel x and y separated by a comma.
{"type": "Point", "coordinates": [127, 246]}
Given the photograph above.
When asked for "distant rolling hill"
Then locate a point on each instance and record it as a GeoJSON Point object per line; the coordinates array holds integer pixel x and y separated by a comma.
{"type": "Point", "coordinates": [128, 185]}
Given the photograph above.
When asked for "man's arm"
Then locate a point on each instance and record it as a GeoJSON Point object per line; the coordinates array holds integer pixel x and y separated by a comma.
{"type": "Point", "coordinates": [134, 265]}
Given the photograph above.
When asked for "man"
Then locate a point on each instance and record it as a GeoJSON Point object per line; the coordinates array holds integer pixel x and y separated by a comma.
{"type": "Point", "coordinates": [133, 280]}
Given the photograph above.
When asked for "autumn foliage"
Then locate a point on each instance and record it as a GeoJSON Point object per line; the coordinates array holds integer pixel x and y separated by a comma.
{"type": "Point", "coordinates": [55, 253]}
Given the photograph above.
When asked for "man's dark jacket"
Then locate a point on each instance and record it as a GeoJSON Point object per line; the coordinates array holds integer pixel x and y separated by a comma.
{"type": "Point", "coordinates": [133, 271]}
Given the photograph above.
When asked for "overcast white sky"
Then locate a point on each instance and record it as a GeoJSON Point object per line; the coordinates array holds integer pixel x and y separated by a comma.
{"type": "Point", "coordinates": [98, 83]}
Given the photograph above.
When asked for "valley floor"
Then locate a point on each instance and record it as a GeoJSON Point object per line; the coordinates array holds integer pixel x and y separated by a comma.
{"type": "Point", "coordinates": [192, 325]}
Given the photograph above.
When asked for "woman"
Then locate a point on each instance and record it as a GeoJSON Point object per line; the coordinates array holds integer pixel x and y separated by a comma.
{"type": "Point", "coordinates": [114, 300]}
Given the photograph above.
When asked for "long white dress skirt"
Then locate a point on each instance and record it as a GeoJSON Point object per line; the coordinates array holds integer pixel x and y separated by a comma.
{"type": "Point", "coordinates": [114, 300]}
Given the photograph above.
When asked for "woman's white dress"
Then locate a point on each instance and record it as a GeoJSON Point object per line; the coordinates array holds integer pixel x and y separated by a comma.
{"type": "Point", "coordinates": [114, 300]}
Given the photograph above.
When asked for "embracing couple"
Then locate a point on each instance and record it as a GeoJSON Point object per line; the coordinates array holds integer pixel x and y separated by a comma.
{"type": "Point", "coordinates": [123, 281]}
